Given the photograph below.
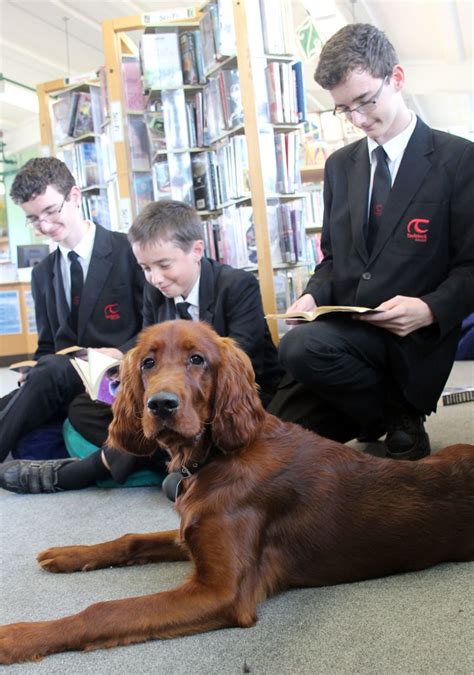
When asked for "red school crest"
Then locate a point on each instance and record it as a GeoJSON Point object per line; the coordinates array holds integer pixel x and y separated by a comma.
{"type": "Point", "coordinates": [111, 312]}
{"type": "Point", "coordinates": [417, 230]}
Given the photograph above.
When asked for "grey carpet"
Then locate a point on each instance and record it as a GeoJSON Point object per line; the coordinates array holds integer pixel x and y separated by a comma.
{"type": "Point", "coordinates": [412, 623]}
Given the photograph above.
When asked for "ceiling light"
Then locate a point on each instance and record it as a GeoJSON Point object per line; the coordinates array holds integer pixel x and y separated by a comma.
{"type": "Point", "coordinates": [18, 95]}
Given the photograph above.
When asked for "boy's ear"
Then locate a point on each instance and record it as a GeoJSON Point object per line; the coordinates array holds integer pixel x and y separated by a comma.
{"type": "Point", "coordinates": [75, 195]}
{"type": "Point", "coordinates": [198, 248]}
{"type": "Point", "coordinates": [398, 77]}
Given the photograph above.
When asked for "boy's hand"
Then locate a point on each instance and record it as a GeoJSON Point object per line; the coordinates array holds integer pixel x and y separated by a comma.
{"type": "Point", "coordinates": [304, 304]}
{"type": "Point", "coordinates": [400, 315]}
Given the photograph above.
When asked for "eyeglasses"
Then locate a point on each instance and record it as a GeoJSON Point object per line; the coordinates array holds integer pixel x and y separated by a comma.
{"type": "Point", "coordinates": [49, 216]}
{"type": "Point", "coordinates": [363, 108]}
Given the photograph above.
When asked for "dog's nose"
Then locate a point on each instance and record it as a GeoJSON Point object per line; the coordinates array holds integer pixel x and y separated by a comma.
{"type": "Point", "coordinates": [163, 404]}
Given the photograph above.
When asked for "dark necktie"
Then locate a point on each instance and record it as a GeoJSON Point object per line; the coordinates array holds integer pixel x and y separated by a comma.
{"type": "Point", "coordinates": [182, 310]}
{"type": "Point", "coordinates": [380, 191]}
{"type": "Point", "coordinates": [77, 283]}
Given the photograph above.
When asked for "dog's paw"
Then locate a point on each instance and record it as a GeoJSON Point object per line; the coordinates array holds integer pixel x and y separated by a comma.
{"type": "Point", "coordinates": [17, 644]}
{"type": "Point", "coordinates": [68, 559]}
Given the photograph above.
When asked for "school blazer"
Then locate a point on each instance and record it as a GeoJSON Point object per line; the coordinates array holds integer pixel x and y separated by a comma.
{"type": "Point", "coordinates": [424, 248]}
{"type": "Point", "coordinates": [229, 301]}
{"type": "Point", "coordinates": [111, 305]}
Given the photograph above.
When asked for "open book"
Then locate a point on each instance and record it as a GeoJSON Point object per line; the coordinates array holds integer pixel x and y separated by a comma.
{"type": "Point", "coordinates": [319, 311]}
{"type": "Point", "coordinates": [25, 366]}
{"type": "Point", "coordinates": [97, 371]}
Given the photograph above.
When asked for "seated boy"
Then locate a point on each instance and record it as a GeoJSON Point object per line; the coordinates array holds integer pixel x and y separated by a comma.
{"type": "Point", "coordinates": [168, 243]}
{"type": "Point", "coordinates": [88, 292]}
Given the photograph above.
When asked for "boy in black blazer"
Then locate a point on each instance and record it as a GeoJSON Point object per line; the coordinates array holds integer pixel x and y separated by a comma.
{"type": "Point", "coordinates": [105, 311]}
{"type": "Point", "coordinates": [398, 236]}
{"type": "Point", "coordinates": [167, 240]}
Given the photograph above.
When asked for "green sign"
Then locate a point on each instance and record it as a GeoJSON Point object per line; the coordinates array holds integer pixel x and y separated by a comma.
{"type": "Point", "coordinates": [309, 39]}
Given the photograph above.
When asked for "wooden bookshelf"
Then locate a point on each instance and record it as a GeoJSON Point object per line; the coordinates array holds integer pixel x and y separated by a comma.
{"type": "Point", "coordinates": [117, 44]}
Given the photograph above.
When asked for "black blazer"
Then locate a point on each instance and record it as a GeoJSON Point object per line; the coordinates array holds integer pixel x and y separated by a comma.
{"type": "Point", "coordinates": [230, 301]}
{"type": "Point", "coordinates": [425, 249]}
{"type": "Point", "coordinates": [111, 304]}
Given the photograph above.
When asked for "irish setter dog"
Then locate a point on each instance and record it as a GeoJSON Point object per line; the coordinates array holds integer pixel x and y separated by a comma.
{"type": "Point", "coordinates": [266, 506]}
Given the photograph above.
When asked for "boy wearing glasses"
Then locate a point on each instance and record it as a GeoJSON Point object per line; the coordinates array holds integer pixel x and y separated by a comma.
{"type": "Point", "coordinates": [88, 292]}
{"type": "Point", "coordinates": [397, 236]}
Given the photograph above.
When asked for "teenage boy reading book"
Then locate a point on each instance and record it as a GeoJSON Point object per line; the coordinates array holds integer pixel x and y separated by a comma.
{"type": "Point", "coordinates": [167, 240]}
{"type": "Point", "coordinates": [397, 236]}
{"type": "Point", "coordinates": [87, 292]}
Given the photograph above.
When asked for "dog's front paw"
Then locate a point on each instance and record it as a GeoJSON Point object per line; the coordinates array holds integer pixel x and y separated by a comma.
{"type": "Point", "coordinates": [68, 559]}
{"type": "Point", "coordinates": [17, 644]}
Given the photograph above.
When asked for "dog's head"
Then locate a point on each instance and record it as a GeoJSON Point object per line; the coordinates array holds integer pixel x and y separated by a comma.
{"type": "Point", "coordinates": [183, 386]}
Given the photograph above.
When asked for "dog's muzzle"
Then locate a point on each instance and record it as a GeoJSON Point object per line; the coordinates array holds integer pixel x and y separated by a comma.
{"type": "Point", "coordinates": [163, 404]}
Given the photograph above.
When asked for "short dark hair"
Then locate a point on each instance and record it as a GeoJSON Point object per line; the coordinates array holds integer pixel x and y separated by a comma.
{"type": "Point", "coordinates": [37, 175]}
{"type": "Point", "coordinates": [358, 46]}
{"type": "Point", "coordinates": [167, 220]}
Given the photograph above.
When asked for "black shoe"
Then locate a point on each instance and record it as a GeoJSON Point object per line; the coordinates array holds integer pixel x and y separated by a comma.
{"type": "Point", "coordinates": [170, 484]}
{"type": "Point", "coordinates": [406, 436]}
{"type": "Point", "coordinates": [32, 476]}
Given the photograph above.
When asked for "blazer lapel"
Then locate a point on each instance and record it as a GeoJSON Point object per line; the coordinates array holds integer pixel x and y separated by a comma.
{"type": "Point", "coordinates": [206, 292]}
{"type": "Point", "coordinates": [358, 177]}
{"type": "Point", "coordinates": [99, 270]}
{"type": "Point", "coordinates": [413, 169]}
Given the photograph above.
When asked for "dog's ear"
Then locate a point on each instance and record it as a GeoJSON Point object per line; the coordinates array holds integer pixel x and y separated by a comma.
{"type": "Point", "coordinates": [238, 411]}
{"type": "Point", "coordinates": [125, 430]}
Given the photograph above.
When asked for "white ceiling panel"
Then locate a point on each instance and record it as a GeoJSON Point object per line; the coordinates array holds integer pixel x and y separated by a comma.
{"type": "Point", "coordinates": [433, 39]}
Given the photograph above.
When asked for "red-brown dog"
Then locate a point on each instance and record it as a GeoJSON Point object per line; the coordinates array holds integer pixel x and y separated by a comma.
{"type": "Point", "coordinates": [269, 505]}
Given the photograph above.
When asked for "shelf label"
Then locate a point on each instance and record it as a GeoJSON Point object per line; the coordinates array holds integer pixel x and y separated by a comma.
{"type": "Point", "coordinates": [125, 214]}
{"type": "Point", "coordinates": [116, 121]}
{"type": "Point", "coordinates": [84, 77]}
{"type": "Point", "coordinates": [166, 15]}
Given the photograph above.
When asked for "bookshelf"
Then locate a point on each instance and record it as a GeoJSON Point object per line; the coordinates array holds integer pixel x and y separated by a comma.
{"type": "Point", "coordinates": [257, 195]}
{"type": "Point", "coordinates": [73, 128]}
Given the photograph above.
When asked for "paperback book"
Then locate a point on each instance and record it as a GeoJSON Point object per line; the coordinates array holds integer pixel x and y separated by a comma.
{"type": "Point", "coordinates": [97, 371]}
{"type": "Point", "coordinates": [319, 311]}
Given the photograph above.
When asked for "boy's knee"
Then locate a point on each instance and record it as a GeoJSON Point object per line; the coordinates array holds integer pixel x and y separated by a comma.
{"type": "Point", "coordinates": [52, 366]}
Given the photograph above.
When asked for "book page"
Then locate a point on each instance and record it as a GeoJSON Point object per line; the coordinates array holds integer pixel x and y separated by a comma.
{"type": "Point", "coordinates": [93, 370]}
{"type": "Point", "coordinates": [319, 311]}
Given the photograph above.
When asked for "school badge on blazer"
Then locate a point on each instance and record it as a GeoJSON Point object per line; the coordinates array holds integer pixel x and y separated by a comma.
{"type": "Point", "coordinates": [111, 312]}
{"type": "Point", "coordinates": [417, 229]}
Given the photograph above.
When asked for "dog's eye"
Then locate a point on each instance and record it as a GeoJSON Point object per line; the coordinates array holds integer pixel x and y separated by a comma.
{"type": "Point", "coordinates": [148, 363]}
{"type": "Point", "coordinates": [196, 360]}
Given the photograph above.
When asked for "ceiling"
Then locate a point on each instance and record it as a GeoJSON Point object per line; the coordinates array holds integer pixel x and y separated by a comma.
{"type": "Point", "coordinates": [42, 40]}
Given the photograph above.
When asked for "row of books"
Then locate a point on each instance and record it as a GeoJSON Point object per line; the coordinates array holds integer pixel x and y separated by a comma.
{"type": "Point", "coordinates": [285, 89]}
{"type": "Point", "coordinates": [95, 207]}
{"type": "Point", "coordinates": [277, 26]}
{"type": "Point", "coordinates": [83, 162]}
{"type": "Point", "coordinates": [231, 237]}
{"type": "Point", "coordinates": [76, 114]}
{"type": "Point", "coordinates": [314, 204]}
{"type": "Point", "coordinates": [211, 178]}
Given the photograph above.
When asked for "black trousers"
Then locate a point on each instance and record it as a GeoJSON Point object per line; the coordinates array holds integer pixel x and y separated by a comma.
{"type": "Point", "coordinates": [45, 396]}
{"type": "Point", "coordinates": [337, 378]}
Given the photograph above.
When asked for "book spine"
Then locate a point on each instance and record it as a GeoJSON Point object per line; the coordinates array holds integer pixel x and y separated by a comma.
{"type": "Point", "coordinates": [455, 397]}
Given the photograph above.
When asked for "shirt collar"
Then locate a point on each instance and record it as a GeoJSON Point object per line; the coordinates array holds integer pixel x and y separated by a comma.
{"type": "Point", "coordinates": [395, 146]}
{"type": "Point", "coordinates": [85, 246]}
{"type": "Point", "coordinates": [193, 295]}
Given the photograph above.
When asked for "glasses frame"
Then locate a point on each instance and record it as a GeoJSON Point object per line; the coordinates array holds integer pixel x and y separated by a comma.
{"type": "Point", "coordinates": [372, 101]}
{"type": "Point", "coordinates": [35, 223]}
